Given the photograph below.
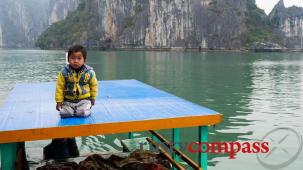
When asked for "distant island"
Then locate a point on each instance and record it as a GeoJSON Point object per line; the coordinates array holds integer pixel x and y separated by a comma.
{"type": "Point", "coordinates": [163, 25]}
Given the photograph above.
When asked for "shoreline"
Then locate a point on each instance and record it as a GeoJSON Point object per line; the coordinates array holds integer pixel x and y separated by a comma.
{"type": "Point", "coordinates": [173, 49]}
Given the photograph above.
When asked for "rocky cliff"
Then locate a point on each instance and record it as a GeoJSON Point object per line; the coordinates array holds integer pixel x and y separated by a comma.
{"type": "Point", "coordinates": [58, 9]}
{"type": "Point", "coordinates": [210, 24]}
{"type": "Point", "coordinates": [1, 40]}
{"type": "Point", "coordinates": [214, 24]}
{"type": "Point", "coordinates": [21, 22]}
{"type": "Point", "coordinates": [288, 24]}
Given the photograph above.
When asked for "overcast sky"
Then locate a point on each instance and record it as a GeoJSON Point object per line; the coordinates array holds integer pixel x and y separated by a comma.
{"type": "Point", "coordinates": [267, 5]}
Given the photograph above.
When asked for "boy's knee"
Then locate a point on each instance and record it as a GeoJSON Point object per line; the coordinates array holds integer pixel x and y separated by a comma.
{"type": "Point", "coordinates": [65, 113]}
{"type": "Point", "coordinates": [82, 113]}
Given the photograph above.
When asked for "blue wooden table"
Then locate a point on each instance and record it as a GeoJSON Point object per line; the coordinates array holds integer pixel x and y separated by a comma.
{"type": "Point", "coordinates": [29, 114]}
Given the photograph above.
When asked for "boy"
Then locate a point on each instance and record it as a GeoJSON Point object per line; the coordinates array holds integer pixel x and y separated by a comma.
{"type": "Point", "coordinates": [77, 85]}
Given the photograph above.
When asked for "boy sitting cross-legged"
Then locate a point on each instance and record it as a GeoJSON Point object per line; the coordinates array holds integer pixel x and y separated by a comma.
{"type": "Point", "coordinates": [77, 85]}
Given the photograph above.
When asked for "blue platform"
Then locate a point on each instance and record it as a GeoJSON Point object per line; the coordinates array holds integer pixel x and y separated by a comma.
{"type": "Point", "coordinates": [122, 106]}
{"type": "Point", "coordinates": [32, 106]}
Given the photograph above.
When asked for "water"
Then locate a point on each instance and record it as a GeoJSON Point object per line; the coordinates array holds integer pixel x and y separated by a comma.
{"type": "Point", "coordinates": [256, 92]}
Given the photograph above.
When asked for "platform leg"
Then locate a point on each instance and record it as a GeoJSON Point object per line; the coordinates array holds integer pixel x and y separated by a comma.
{"type": "Point", "coordinates": [130, 135]}
{"type": "Point", "coordinates": [154, 138]}
{"type": "Point", "coordinates": [176, 142]}
{"type": "Point", "coordinates": [8, 156]}
{"type": "Point", "coordinates": [203, 137]}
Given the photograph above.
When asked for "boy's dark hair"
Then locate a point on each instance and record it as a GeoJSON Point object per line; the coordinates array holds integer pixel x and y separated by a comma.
{"type": "Point", "coordinates": [77, 48]}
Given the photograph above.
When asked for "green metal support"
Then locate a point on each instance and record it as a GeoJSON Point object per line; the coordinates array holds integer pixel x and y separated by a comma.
{"type": "Point", "coordinates": [8, 155]}
{"type": "Point", "coordinates": [154, 138]}
{"type": "Point", "coordinates": [131, 135]}
{"type": "Point", "coordinates": [203, 137]}
{"type": "Point", "coordinates": [176, 142]}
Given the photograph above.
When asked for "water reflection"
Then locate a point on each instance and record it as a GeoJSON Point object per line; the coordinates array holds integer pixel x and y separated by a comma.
{"type": "Point", "coordinates": [275, 101]}
{"type": "Point", "coordinates": [217, 80]}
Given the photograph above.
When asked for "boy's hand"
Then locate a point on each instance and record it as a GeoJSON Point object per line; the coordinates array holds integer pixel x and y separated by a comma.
{"type": "Point", "coordinates": [92, 101]}
{"type": "Point", "coordinates": [58, 106]}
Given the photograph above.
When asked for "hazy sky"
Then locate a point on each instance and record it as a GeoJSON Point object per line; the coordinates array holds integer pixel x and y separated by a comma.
{"type": "Point", "coordinates": [267, 5]}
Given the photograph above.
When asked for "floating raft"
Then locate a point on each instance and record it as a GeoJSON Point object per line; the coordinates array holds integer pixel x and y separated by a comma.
{"type": "Point", "coordinates": [122, 106]}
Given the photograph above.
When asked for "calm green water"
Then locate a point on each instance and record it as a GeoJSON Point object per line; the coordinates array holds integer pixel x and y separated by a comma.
{"type": "Point", "coordinates": [256, 92]}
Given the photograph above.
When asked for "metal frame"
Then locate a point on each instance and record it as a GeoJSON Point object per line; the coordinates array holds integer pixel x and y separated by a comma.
{"type": "Point", "coordinates": [9, 150]}
{"type": "Point", "coordinates": [203, 137]}
{"type": "Point", "coordinates": [177, 154]}
{"type": "Point", "coordinates": [8, 156]}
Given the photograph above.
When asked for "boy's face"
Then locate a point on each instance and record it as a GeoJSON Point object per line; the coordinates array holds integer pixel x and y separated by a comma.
{"type": "Point", "coordinates": [76, 60]}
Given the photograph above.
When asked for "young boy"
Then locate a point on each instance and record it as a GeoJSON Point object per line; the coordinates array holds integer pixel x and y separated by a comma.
{"type": "Point", "coordinates": [77, 85]}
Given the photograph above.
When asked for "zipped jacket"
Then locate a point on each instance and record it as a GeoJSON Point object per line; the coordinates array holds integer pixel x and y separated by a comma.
{"type": "Point", "coordinates": [72, 85]}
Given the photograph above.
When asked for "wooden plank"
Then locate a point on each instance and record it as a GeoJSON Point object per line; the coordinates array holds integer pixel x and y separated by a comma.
{"type": "Point", "coordinates": [170, 159]}
{"type": "Point", "coordinates": [177, 151]}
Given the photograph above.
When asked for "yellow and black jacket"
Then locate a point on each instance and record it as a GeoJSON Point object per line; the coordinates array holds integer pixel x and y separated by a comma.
{"type": "Point", "coordinates": [72, 85]}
